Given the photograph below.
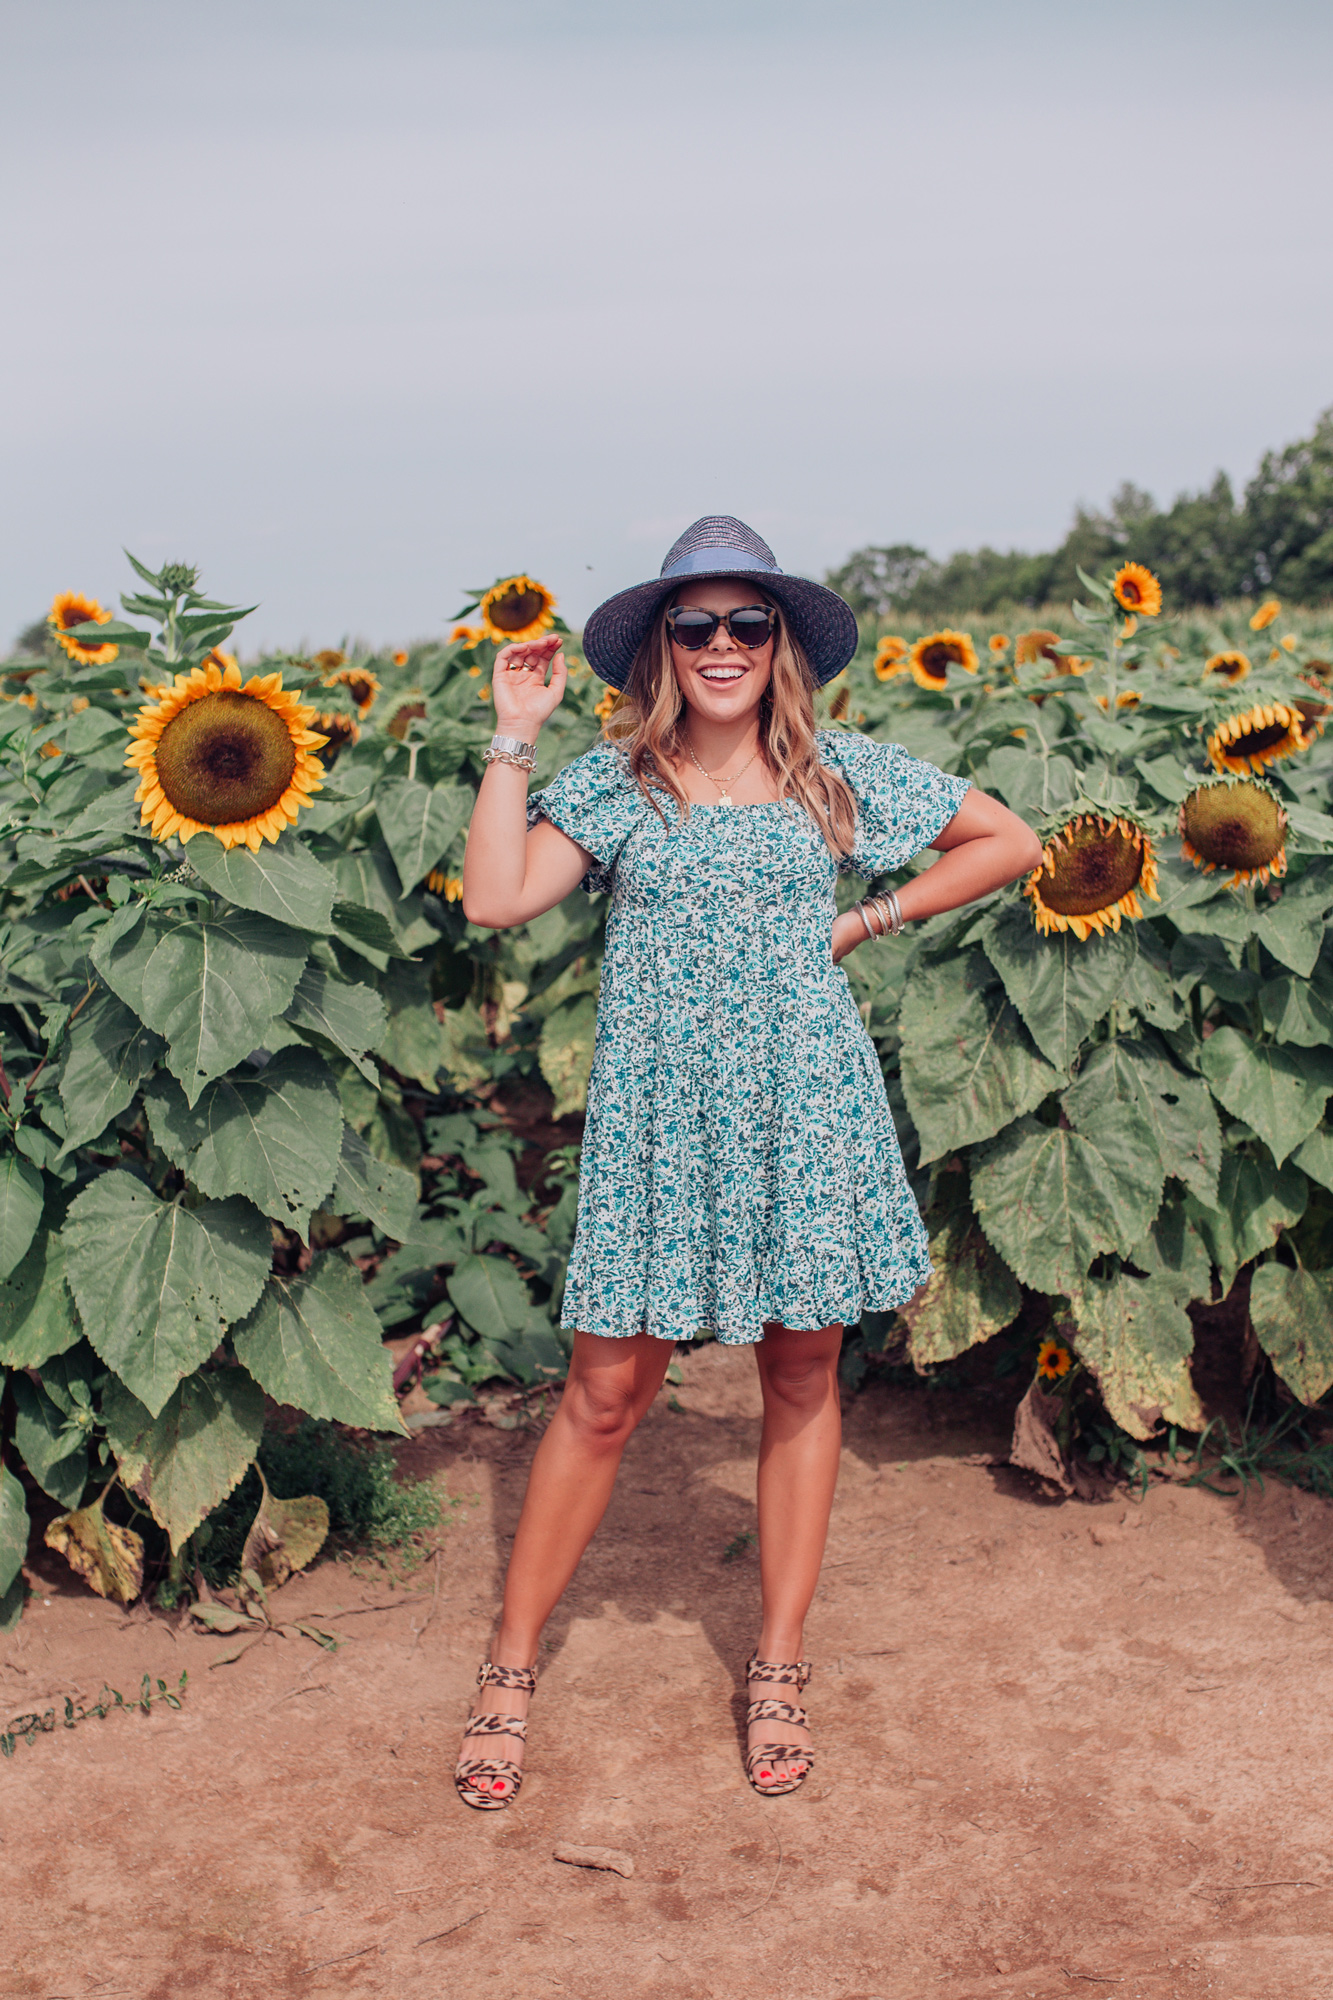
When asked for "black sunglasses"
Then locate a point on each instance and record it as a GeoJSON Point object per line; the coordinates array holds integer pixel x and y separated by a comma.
{"type": "Point", "coordinates": [693, 629]}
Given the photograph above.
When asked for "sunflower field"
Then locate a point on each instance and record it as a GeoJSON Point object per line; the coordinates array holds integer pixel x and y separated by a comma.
{"type": "Point", "coordinates": [268, 1103]}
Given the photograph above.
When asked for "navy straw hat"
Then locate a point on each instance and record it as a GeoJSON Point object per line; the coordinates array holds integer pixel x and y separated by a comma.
{"type": "Point", "coordinates": [719, 545]}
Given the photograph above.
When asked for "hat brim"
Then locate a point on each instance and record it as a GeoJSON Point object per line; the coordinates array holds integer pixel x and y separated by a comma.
{"type": "Point", "coordinates": [823, 624]}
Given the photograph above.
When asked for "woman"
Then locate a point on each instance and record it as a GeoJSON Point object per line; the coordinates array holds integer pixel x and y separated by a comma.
{"type": "Point", "coordinates": [740, 1171]}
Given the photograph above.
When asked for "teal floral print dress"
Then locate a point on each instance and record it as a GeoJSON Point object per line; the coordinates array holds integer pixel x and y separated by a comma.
{"type": "Point", "coordinates": [739, 1161]}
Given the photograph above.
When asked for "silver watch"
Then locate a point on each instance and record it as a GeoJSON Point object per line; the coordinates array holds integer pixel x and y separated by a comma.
{"type": "Point", "coordinates": [513, 746]}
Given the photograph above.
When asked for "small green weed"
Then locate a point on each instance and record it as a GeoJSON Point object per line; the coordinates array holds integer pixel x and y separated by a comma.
{"type": "Point", "coordinates": [30, 1727]}
{"type": "Point", "coordinates": [741, 1547]}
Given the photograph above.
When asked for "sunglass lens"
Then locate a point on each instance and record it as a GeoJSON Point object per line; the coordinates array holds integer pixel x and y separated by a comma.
{"type": "Point", "coordinates": [751, 628]}
{"type": "Point", "coordinates": [693, 629]}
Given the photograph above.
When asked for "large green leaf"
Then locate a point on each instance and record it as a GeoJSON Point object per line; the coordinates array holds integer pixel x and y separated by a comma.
{"type": "Point", "coordinates": [970, 1295]}
{"type": "Point", "coordinates": [157, 1284]}
{"type": "Point", "coordinates": [108, 1055]}
{"type": "Point", "coordinates": [968, 1067]}
{"type": "Point", "coordinates": [1062, 988]}
{"type": "Point", "coordinates": [1177, 1108]}
{"type": "Point", "coordinates": [273, 1135]}
{"type": "Point", "coordinates": [13, 1528]}
{"type": "Point", "coordinates": [314, 1342]}
{"type": "Point", "coordinates": [1174, 1254]}
{"type": "Point", "coordinates": [1278, 1093]}
{"type": "Point", "coordinates": [57, 1460]}
{"type": "Point", "coordinates": [1148, 988]}
{"type": "Point", "coordinates": [370, 879]}
{"type": "Point", "coordinates": [565, 1052]}
{"type": "Point", "coordinates": [467, 1053]}
{"type": "Point", "coordinates": [1051, 1200]}
{"type": "Point", "coordinates": [283, 881]}
{"type": "Point", "coordinates": [385, 1194]}
{"type": "Point", "coordinates": [419, 823]}
{"type": "Point", "coordinates": [1137, 1339]}
{"type": "Point", "coordinates": [490, 1295]}
{"type": "Point", "coordinates": [1255, 1202]}
{"type": "Point", "coordinates": [1292, 1315]}
{"type": "Point", "coordinates": [1299, 1011]}
{"type": "Point", "coordinates": [123, 946]}
{"type": "Point", "coordinates": [212, 989]}
{"type": "Point", "coordinates": [21, 1198]}
{"type": "Point", "coordinates": [1314, 1156]}
{"type": "Point", "coordinates": [37, 1318]}
{"type": "Point", "coordinates": [413, 1042]}
{"type": "Point", "coordinates": [187, 1459]}
{"type": "Point", "coordinates": [350, 1017]}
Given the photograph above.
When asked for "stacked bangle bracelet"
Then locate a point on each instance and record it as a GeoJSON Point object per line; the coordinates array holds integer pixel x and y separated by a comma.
{"type": "Point", "coordinates": [887, 909]}
{"type": "Point", "coordinates": [511, 750]}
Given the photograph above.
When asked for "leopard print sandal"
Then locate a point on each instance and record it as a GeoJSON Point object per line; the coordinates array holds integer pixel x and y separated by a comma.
{"type": "Point", "coordinates": [778, 1674]}
{"type": "Point", "coordinates": [476, 1777]}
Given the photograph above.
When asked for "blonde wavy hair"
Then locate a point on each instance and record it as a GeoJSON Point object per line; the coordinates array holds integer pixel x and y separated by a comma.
{"type": "Point", "coordinates": [647, 723]}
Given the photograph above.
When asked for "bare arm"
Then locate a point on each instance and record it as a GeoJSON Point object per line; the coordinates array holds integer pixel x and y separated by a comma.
{"type": "Point", "coordinates": [983, 847]}
{"type": "Point", "coordinates": [509, 874]}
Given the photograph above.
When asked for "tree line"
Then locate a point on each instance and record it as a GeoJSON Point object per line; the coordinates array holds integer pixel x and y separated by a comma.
{"type": "Point", "coordinates": [1205, 547]}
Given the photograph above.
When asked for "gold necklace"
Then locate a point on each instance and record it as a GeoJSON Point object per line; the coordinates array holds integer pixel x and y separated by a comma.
{"type": "Point", "coordinates": [724, 798]}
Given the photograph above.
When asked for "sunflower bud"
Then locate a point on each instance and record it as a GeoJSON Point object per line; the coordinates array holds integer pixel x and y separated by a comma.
{"type": "Point", "coordinates": [1237, 824]}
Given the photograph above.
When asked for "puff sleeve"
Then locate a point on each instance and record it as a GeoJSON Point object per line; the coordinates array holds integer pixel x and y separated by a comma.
{"type": "Point", "coordinates": [902, 802]}
{"type": "Point", "coordinates": [597, 803]}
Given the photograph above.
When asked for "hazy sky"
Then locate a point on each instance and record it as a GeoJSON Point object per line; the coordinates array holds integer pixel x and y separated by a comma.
{"type": "Point", "coordinates": [359, 304]}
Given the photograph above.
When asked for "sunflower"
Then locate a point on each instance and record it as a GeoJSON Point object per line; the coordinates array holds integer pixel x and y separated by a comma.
{"type": "Point", "coordinates": [1095, 866]}
{"type": "Point", "coordinates": [218, 756]}
{"type": "Point", "coordinates": [1265, 615]}
{"type": "Point", "coordinates": [403, 718]}
{"type": "Point", "coordinates": [1136, 589]}
{"type": "Point", "coordinates": [840, 703]}
{"type": "Point", "coordinates": [466, 636]}
{"type": "Point", "coordinates": [608, 704]}
{"type": "Point", "coordinates": [1053, 1360]}
{"type": "Point", "coordinates": [1235, 823]}
{"type": "Point", "coordinates": [71, 609]}
{"type": "Point", "coordinates": [1313, 715]}
{"type": "Point", "coordinates": [1231, 666]}
{"type": "Point", "coordinates": [329, 660]}
{"type": "Point", "coordinates": [931, 658]}
{"type": "Point", "coordinates": [400, 659]}
{"type": "Point", "coordinates": [1129, 699]}
{"type": "Point", "coordinates": [1288, 643]}
{"type": "Point", "coordinates": [1036, 645]}
{"type": "Point", "coordinates": [448, 886]}
{"type": "Point", "coordinates": [517, 608]}
{"type": "Point", "coordinates": [1316, 671]}
{"type": "Point", "coordinates": [1260, 735]}
{"type": "Point", "coordinates": [360, 682]}
{"type": "Point", "coordinates": [484, 691]}
{"type": "Point", "coordinates": [217, 658]}
{"type": "Point", "coordinates": [998, 642]}
{"type": "Point", "coordinates": [1129, 628]}
{"type": "Point", "coordinates": [890, 657]}
{"type": "Point", "coordinates": [340, 731]}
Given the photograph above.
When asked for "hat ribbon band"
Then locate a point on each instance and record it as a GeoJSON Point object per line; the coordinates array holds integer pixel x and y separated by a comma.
{"type": "Point", "coordinates": [715, 559]}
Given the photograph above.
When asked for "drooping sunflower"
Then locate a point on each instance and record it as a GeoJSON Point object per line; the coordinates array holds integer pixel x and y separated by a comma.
{"type": "Point", "coordinates": [1257, 736]}
{"type": "Point", "coordinates": [1136, 589]}
{"type": "Point", "coordinates": [217, 658]}
{"type": "Point", "coordinates": [931, 658]}
{"type": "Point", "coordinates": [1053, 1360]}
{"type": "Point", "coordinates": [1091, 871]}
{"type": "Point", "coordinates": [339, 731]}
{"type": "Point", "coordinates": [890, 657]}
{"type": "Point", "coordinates": [71, 608]}
{"type": "Point", "coordinates": [1313, 714]}
{"type": "Point", "coordinates": [220, 756]}
{"type": "Point", "coordinates": [1228, 666]}
{"type": "Point", "coordinates": [1265, 615]}
{"type": "Point", "coordinates": [517, 608]}
{"type": "Point", "coordinates": [1129, 699]}
{"type": "Point", "coordinates": [360, 682]}
{"type": "Point", "coordinates": [1038, 644]}
{"type": "Point", "coordinates": [841, 702]}
{"type": "Point", "coordinates": [448, 886]}
{"type": "Point", "coordinates": [1235, 823]}
{"type": "Point", "coordinates": [466, 636]}
{"type": "Point", "coordinates": [404, 716]}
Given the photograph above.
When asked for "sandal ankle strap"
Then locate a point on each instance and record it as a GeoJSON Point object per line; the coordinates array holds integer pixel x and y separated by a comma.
{"type": "Point", "coordinates": [785, 1673]}
{"type": "Point", "coordinates": [523, 1680]}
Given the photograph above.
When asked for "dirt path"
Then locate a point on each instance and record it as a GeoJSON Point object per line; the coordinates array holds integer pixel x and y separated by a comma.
{"type": "Point", "coordinates": [1055, 1742]}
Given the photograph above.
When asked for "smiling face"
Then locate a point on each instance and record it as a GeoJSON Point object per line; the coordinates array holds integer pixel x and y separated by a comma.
{"type": "Point", "coordinates": [723, 681]}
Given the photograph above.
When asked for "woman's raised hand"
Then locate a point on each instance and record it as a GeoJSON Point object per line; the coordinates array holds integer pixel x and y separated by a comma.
{"type": "Point", "coordinates": [523, 697]}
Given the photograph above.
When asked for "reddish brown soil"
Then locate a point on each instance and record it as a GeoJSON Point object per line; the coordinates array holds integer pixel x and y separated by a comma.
{"type": "Point", "coordinates": [1063, 1750]}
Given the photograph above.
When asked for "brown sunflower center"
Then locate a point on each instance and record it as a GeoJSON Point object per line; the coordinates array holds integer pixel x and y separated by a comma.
{"type": "Point", "coordinates": [225, 758]}
{"type": "Point", "coordinates": [1253, 742]}
{"type": "Point", "coordinates": [1233, 826]}
{"type": "Point", "coordinates": [360, 689]}
{"type": "Point", "coordinates": [937, 659]}
{"type": "Point", "coordinates": [513, 610]}
{"type": "Point", "coordinates": [1130, 592]}
{"type": "Point", "coordinates": [1096, 866]}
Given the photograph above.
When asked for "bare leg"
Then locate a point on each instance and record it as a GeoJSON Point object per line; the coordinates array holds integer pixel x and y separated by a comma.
{"type": "Point", "coordinates": [609, 1388]}
{"type": "Point", "coordinates": [798, 1471]}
